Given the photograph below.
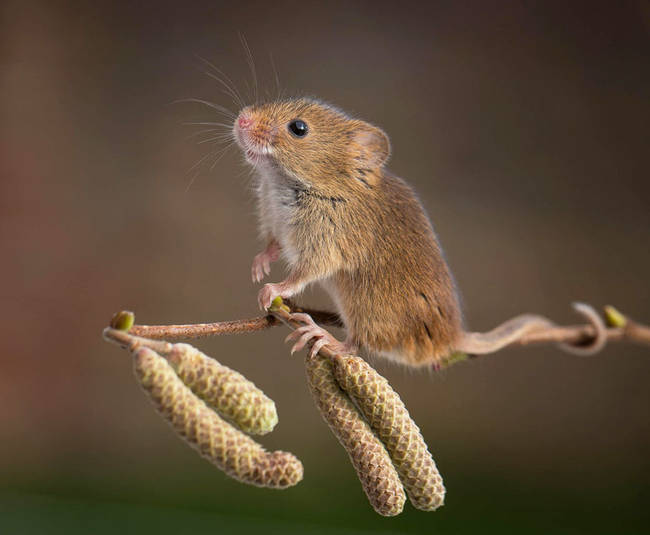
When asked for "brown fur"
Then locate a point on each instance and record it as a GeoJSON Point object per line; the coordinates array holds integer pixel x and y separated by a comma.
{"type": "Point", "coordinates": [348, 223]}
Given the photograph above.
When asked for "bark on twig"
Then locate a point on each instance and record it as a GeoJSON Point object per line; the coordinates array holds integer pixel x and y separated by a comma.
{"type": "Point", "coordinates": [202, 330]}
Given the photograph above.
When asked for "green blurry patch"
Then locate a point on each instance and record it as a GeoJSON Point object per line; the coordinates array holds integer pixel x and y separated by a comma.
{"type": "Point", "coordinates": [326, 502]}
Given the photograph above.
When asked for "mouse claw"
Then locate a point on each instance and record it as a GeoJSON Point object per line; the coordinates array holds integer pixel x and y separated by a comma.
{"type": "Point", "coordinates": [303, 318]}
{"type": "Point", "coordinates": [316, 347]}
{"type": "Point", "coordinates": [294, 335]}
{"type": "Point", "coordinates": [304, 336]}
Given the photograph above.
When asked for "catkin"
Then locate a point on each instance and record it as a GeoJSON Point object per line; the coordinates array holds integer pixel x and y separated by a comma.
{"type": "Point", "coordinates": [229, 449]}
{"type": "Point", "coordinates": [388, 417]}
{"type": "Point", "coordinates": [370, 459]}
{"type": "Point", "coordinates": [228, 392]}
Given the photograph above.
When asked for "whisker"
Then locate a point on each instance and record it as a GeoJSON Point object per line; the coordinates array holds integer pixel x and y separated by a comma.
{"type": "Point", "coordinates": [226, 125]}
{"type": "Point", "coordinates": [212, 105]}
{"type": "Point", "coordinates": [201, 132]}
{"type": "Point", "coordinates": [223, 151]}
{"type": "Point", "coordinates": [192, 180]}
{"type": "Point", "coordinates": [235, 98]}
{"type": "Point", "coordinates": [221, 138]}
{"type": "Point", "coordinates": [228, 83]}
{"type": "Point", "coordinates": [277, 78]}
{"type": "Point", "coordinates": [219, 153]}
{"type": "Point", "coordinates": [223, 79]}
{"type": "Point", "coordinates": [195, 174]}
{"type": "Point", "coordinates": [201, 160]}
{"type": "Point", "coordinates": [251, 63]}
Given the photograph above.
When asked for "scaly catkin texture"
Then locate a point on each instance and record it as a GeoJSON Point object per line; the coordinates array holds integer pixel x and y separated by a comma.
{"type": "Point", "coordinates": [389, 418]}
{"type": "Point", "coordinates": [367, 454]}
{"type": "Point", "coordinates": [229, 449]}
{"type": "Point", "coordinates": [228, 392]}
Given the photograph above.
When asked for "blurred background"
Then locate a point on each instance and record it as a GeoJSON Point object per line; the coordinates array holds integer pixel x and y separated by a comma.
{"type": "Point", "coordinates": [522, 125]}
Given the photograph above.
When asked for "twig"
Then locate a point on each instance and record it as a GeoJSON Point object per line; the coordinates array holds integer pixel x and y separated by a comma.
{"type": "Point", "coordinates": [583, 334]}
{"type": "Point", "coordinates": [620, 329]}
{"type": "Point", "coordinates": [201, 330]}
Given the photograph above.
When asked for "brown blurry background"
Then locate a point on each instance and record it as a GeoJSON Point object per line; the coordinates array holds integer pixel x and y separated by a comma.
{"type": "Point", "coordinates": [522, 125]}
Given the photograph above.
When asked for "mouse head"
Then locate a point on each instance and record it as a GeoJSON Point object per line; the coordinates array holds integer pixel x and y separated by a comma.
{"type": "Point", "coordinates": [311, 142]}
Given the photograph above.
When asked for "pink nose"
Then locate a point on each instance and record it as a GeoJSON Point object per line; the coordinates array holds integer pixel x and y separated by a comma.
{"type": "Point", "coordinates": [244, 122]}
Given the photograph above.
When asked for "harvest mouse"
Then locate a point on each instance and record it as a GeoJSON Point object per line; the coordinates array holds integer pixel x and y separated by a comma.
{"type": "Point", "coordinates": [329, 207]}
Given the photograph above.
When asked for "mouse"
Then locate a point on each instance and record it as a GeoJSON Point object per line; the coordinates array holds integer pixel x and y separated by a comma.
{"type": "Point", "coordinates": [330, 208]}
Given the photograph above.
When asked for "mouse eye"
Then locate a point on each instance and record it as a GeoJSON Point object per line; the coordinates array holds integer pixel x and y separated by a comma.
{"type": "Point", "coordinates": [298, 128]}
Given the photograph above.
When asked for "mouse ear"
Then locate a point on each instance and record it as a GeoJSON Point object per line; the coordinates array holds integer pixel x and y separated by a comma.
{"type": "Point", "coordinates": [372, 145]}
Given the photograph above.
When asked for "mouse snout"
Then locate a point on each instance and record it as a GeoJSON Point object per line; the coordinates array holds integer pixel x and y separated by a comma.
{"type": "Point", "coordinates": [244, 122]}
{"type": "Point", "coordinates": [253, 134]}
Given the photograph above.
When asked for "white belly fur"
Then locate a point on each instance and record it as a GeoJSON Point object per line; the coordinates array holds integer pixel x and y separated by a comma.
{"type": "Point", "coordinates": [276, 210]}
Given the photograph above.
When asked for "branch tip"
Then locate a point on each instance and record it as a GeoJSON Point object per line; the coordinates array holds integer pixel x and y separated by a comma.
{"type": "Point", "coordinates": [122, 320]}
{"type": "Point", "coordinates": [278, 304]}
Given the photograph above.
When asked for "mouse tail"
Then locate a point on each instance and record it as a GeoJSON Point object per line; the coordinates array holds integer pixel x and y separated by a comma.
{"type": "Point", "coordinates": [475, 343]}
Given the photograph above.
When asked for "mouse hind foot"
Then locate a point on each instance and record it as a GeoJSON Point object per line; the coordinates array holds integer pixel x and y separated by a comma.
{"type": "Point", "coordinates": [312, 333]}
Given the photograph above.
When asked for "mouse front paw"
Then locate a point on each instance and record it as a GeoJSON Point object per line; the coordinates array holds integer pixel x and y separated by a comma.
{"type": "Point", "coordinates": [262, 261]}
{"type": "Point", "coordinates": [261, 266]}
{"type": "Point", "coordinates": [270, 291]}
{"type": "Point", "coordinates": [266, 295]}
